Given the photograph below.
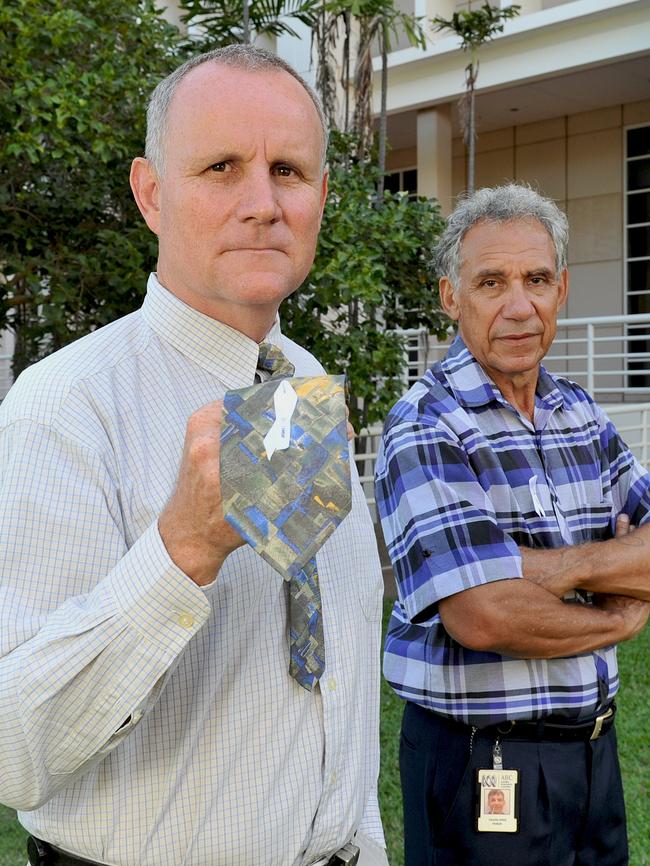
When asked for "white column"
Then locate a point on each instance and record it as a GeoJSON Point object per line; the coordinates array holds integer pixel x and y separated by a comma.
{"type": "Point", "coordinates": [434, 155]}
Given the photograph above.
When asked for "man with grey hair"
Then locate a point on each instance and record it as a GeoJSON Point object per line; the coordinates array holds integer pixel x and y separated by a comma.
{"type": "Point", "coordinates": [148, 713]}
{"type": "Point", "coordinates": [507, 499]}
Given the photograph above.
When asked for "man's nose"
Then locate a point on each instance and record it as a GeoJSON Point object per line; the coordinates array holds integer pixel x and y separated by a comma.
{"type": "Point", "coordinates": [259, 198]}
{"type": "Point", "coordinates": [518, 304]}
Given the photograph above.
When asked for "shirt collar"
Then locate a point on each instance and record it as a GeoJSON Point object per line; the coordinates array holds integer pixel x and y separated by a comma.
{"type": "Point", "coordinates": [221, 350]}
{"type": "Point", "coordinates": [473, 387]}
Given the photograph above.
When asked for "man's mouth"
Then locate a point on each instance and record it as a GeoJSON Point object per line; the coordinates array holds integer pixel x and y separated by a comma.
{"type": "Point", "coordinates": [517, 338]}
{"type": "Point", "coordinates": [254, 250]}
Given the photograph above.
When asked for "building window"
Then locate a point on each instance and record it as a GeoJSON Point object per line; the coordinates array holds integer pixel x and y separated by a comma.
{"type": "Point", "coordinates": [404, 180]}
{"type": "Point", "coordinates": [637, 249]}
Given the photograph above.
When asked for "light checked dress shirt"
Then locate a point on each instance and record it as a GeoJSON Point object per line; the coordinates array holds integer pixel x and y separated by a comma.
{"type": "Point", "coordinates": [145, 721]}
{"type": "Point", "coordinates": [463, 479]}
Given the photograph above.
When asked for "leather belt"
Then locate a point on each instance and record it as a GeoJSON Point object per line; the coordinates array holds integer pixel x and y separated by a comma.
{"type": "Point", "coordinates": [554, 730]}
{"type": "Point", "coordinates": [43, 854]}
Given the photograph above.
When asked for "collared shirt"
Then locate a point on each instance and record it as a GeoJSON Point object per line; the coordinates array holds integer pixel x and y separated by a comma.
{"type": "Point", "coordinates": [145, 720]}
{"type": "Point", "coordinates": [463, 479]}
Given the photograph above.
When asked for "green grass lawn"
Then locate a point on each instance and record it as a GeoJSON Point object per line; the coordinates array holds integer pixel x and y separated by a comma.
{"type": "Point", "coordinates": [12, 839]}
{"type": "Point", "coordinates": [634, 747]}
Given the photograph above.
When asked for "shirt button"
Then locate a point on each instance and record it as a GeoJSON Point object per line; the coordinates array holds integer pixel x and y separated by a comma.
{"type": "Point", "coordinates": [186, 620]}
{"type": "Point", "coordinates": [331, 684]}
{"type": "Point", "coordinates": [333, 779]}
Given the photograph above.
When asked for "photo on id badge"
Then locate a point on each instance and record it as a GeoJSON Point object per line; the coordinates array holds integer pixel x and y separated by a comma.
{"type": "Point", "coordinates": [496, 801]}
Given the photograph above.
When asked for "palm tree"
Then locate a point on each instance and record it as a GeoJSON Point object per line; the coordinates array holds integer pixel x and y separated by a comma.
{"type": "Point", "coordinates": [474, 27]}
{"type": "Point", "coordinates": [379, 22]}
{"type": "Point", "coordinates": [223, 22]}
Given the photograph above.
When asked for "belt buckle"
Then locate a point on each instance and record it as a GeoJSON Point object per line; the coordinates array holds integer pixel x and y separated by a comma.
{"type": "Point", "coordinates": [598, 724]}
{"type": "Point", "coordinates": [38, 852]}
{"type": "Point", "coordinates": [348, 855]}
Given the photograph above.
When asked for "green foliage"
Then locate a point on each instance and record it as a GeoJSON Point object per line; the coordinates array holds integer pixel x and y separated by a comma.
{"type": "Point", "coordinates": [371, 275]}
{"type": "Point", "coordinates": [474, 27]}
{"type": "Point", "coordinates": [388, 16]}
{"type": "Point", "coordinates": [75, 78]}
{"type": "Point", "coordinates": [221, 21]}
{"type": "Point", "coordinates": [13, 843]}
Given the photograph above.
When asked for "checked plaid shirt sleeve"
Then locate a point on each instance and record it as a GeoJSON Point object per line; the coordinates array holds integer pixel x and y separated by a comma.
{"type": "Point", "coordinates": [440, 526]}
{"type": "Point", "coordinates": [462, 482]}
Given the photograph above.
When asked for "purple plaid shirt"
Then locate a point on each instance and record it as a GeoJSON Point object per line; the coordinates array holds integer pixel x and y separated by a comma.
{"type": "Point", "coordinates": [462, 480]}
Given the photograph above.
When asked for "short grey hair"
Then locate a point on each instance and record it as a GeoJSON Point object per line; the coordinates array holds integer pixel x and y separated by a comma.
{"type": "Point", "coordinates": [497, 205]}
{"type": "Point", "coordinates": [247, 57]}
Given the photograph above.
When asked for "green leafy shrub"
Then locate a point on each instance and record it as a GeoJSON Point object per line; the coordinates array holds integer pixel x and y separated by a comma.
{"type": "Point", "coordinates": [74, 82]}
{"type": "Point", "coordinates": [370, 277]}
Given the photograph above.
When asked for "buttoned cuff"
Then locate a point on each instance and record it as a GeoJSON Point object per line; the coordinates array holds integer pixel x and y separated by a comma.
{"type": "Point", "coordinates": [156, 597]}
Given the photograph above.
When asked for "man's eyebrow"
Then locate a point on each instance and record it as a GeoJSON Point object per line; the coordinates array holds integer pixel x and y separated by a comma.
{"type": "Point", "coordinates": [224, 156]}
{"type": "Point", "coordinates": [497, 272]}
{"type": "Point", "coordinates": [541, 272]}
{"type": "Point", "coordinates": [488, 272]}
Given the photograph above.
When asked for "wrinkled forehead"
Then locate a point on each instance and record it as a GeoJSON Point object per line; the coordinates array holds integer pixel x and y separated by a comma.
{"type": "Point", "coordinates": [492, 228]}
{"type": "Point", "coordinates": [491, 239]}
{"type": "Point", "coordinates": [216, 96]}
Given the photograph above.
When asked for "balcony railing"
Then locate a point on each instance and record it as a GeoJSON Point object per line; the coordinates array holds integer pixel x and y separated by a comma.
{"type": "Point", "coordinates": [607, 355]}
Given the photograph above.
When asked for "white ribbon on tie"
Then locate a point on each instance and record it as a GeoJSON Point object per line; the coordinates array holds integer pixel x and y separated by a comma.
{"type": "Point", "coordinates": [279, 436]}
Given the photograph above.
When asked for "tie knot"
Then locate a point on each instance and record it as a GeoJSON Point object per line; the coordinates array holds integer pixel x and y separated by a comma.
{"type": "Point", "coordinates": [273, 361]}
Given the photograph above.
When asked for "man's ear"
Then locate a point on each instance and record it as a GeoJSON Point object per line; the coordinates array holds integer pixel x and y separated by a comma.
{"type": "Point", "coordinates": [563, 292]}
{"type": "Point", "coordinates": [323, 194]}
{"type": "Point", "coordinates": [146, 192]}
{"type": "Point", "coordinates": [448, 298]}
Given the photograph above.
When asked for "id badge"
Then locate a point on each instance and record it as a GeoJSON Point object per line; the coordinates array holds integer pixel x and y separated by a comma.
{"type": "Point", "coordinates": [497, 801]}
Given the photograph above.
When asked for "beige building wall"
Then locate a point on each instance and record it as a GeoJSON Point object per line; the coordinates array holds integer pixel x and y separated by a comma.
{"type": "Point", "coordinates": [577, 160]}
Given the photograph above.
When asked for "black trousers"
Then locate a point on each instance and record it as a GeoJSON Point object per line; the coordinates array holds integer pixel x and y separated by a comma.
{"type": "Point", "coordinates": [571, 810]}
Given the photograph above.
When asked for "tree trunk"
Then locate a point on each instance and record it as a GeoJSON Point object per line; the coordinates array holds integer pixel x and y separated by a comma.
{"type": "Point", "coordinates": [246, 28]}
{"type": "Point", "coordinates": [471, 144]}
{"type": "Point", "coordinates": [381, 158]}
{"type": "Point", "coordinates": [345, 80]}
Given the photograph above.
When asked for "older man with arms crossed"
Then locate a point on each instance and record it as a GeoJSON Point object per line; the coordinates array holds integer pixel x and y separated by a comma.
{"type": "Point", "coordinates": [147, 714]}
{"type": "Point", "coordinates": [502, 489]}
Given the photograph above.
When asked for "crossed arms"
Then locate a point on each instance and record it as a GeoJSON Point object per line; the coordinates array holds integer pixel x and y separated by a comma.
{"type": "Point", "coordinates": [435, 505]}
{"type": "Point", "coordinates": [528, 619]}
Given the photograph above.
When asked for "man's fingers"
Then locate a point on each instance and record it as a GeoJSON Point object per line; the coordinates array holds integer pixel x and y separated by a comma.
{"type": "Point", "coordinates": [622, 526]}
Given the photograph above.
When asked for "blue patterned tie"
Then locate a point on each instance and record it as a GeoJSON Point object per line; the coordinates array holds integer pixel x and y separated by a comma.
{"type": "Point", "coordinates": [307, 645]}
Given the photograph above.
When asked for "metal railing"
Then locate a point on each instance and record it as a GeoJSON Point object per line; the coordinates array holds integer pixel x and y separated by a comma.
{"type": "Point", "coordinates": [632, 420]}
{"type": "Point", "coordinates": [5, 374]}
{"type": "Point", "coordinates": [607, 355]}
